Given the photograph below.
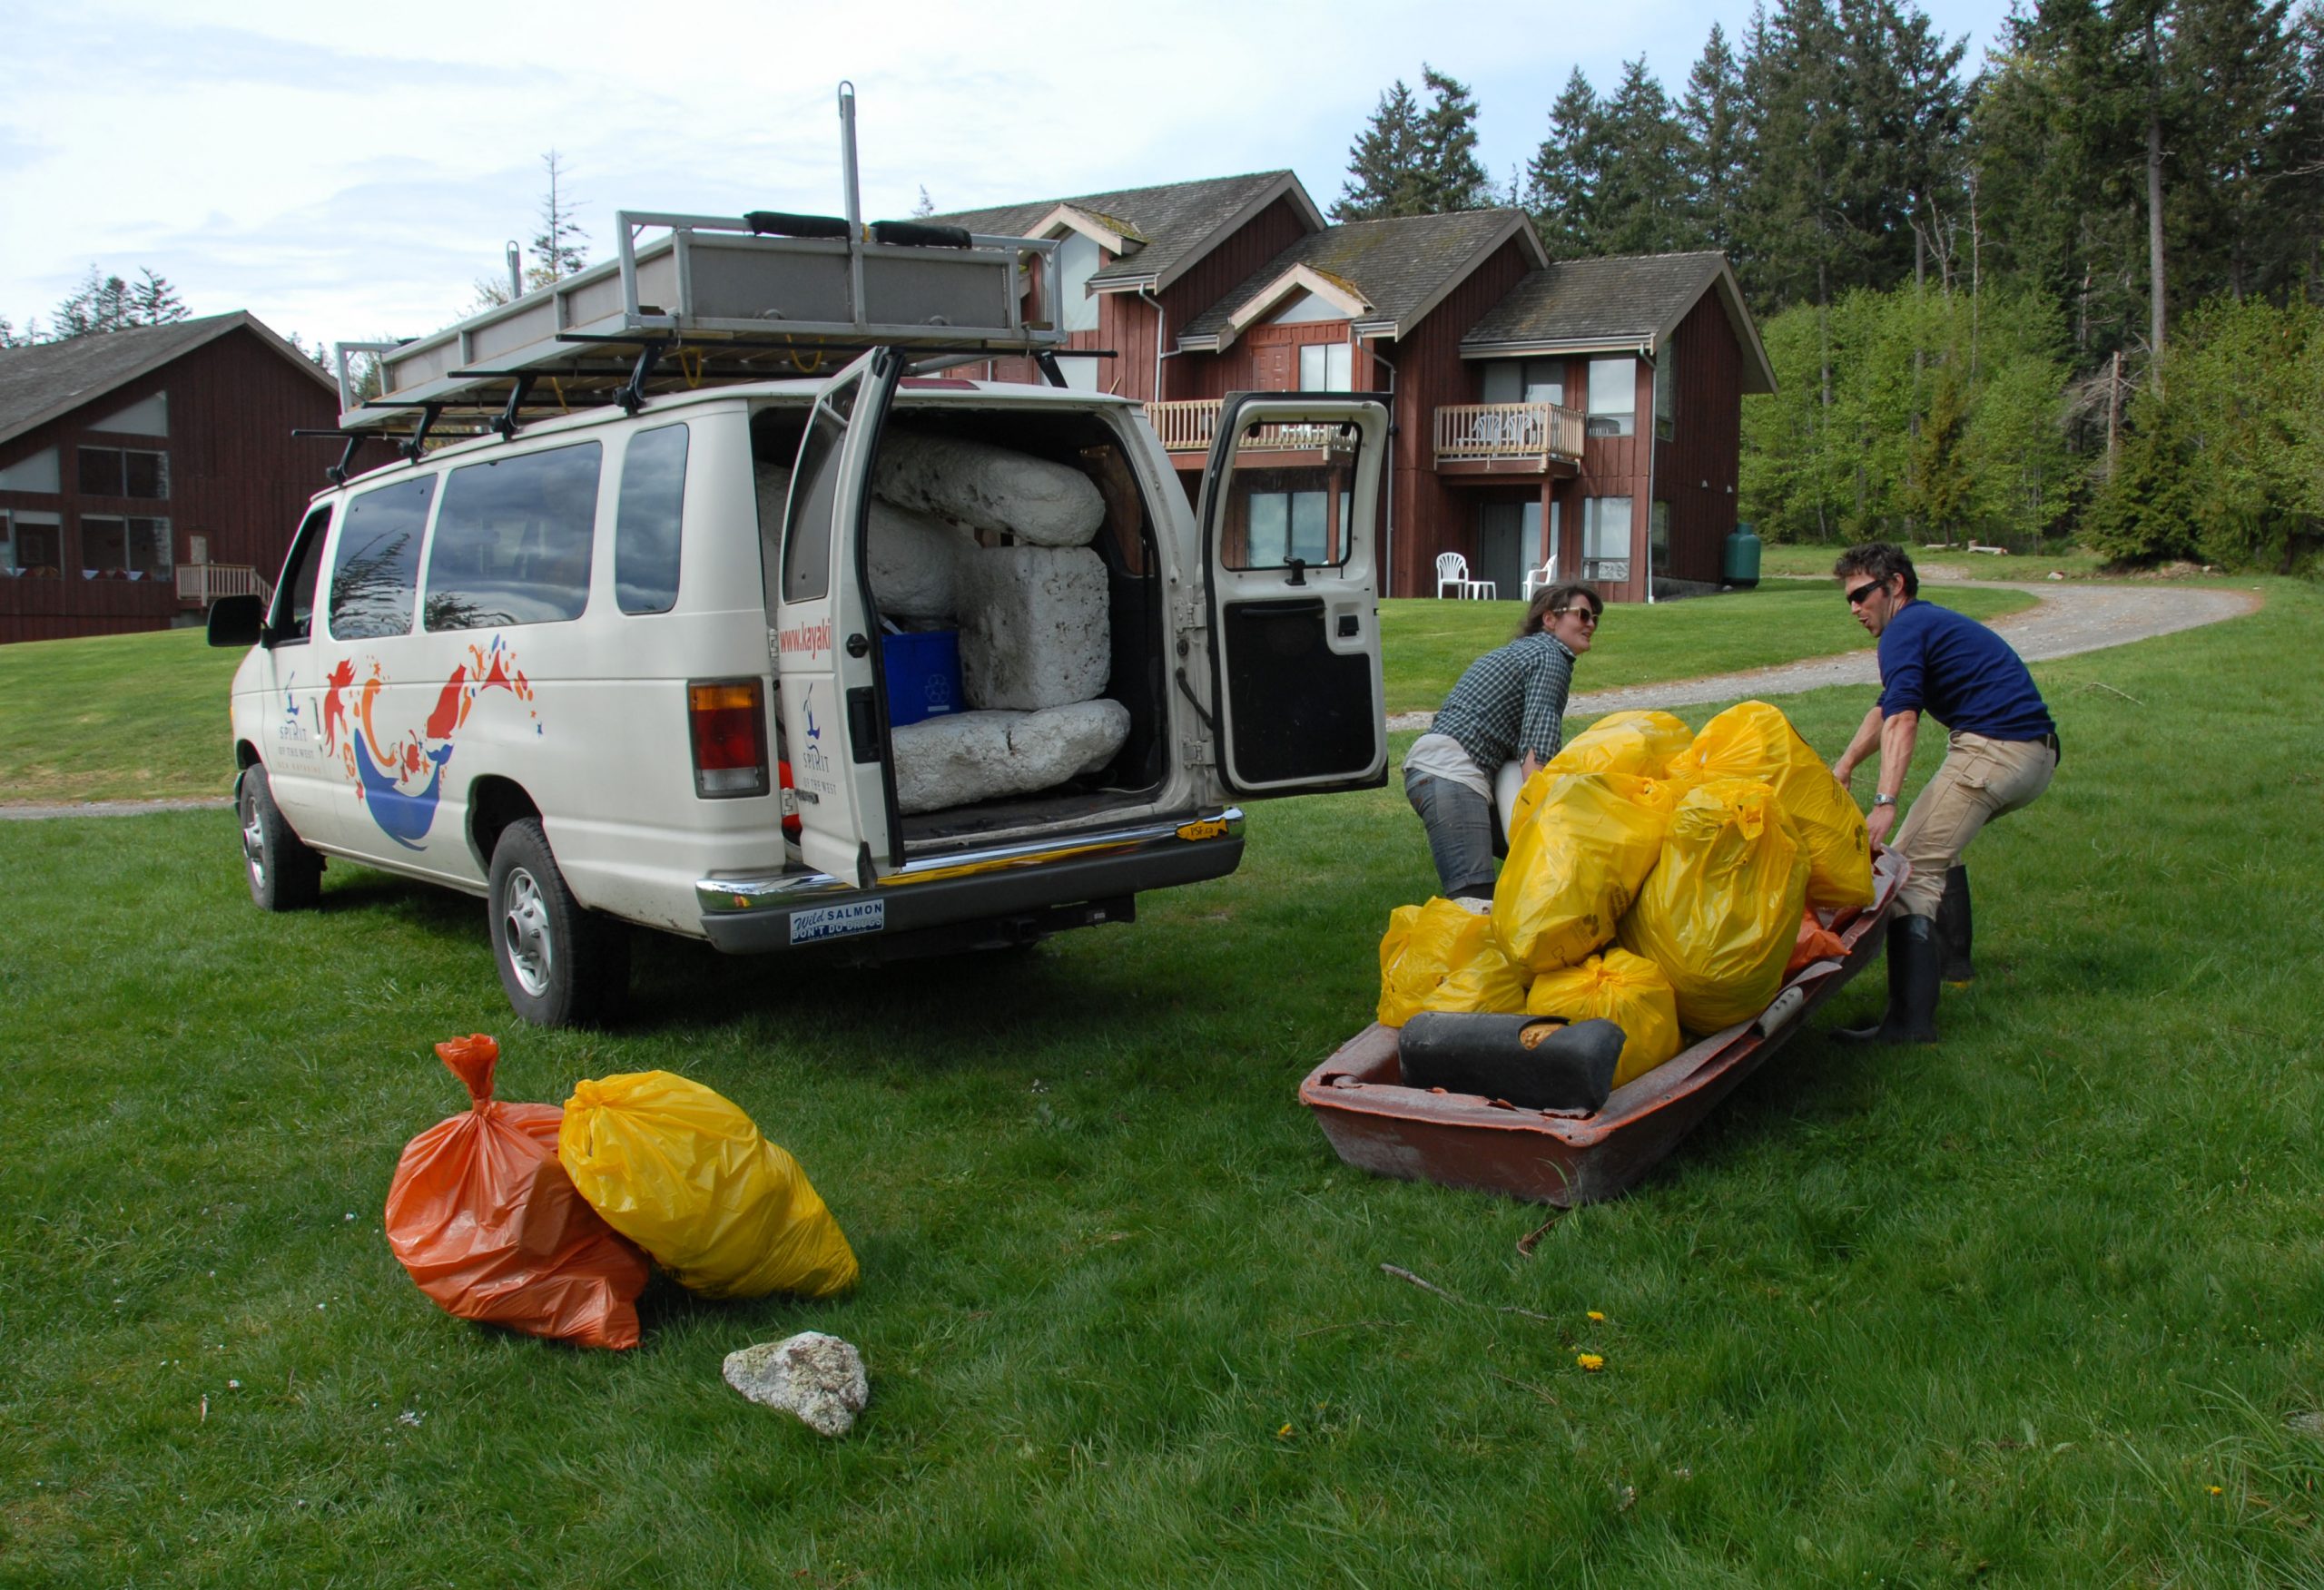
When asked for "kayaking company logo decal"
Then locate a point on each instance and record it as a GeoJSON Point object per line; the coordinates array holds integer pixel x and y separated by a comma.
{"type": "Point", "coordinates": [398, 773]}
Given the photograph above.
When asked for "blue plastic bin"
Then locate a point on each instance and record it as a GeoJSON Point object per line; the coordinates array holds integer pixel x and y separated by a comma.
{"type": "Point", "coordinates": [923, 675]}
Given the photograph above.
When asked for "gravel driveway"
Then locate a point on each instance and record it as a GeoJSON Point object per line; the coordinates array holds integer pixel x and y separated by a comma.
{"type": "Point", "coordinates": [2069, 618]}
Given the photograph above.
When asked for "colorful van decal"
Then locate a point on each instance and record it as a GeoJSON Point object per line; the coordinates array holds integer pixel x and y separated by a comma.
{"type": "Point", "coordinates": [399, 778]}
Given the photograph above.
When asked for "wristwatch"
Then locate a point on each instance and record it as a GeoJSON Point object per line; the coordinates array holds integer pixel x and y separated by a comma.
{"type": "Point", "coordinates": [1884, 800]}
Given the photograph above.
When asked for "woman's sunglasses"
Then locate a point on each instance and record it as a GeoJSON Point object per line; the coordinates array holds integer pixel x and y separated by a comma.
{"type": "Point", "coordinates": [1588, 615]}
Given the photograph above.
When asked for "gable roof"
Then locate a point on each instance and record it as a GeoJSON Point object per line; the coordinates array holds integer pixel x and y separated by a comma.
{"type": "Point", "coordinates": [1401, 268]}
{"type": "Point", "coordinates": [39, 383]}
{"type": "Point", "coordinates": [1632, 302]}
{"type": "Point", "coordinates": [1164, 229]}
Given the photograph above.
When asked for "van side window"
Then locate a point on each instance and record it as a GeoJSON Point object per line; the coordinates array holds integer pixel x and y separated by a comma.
{"type": "Point", "coordinates": [647, 523]}
{"type": "Point", "coordinates": [294, 610]}
{"type": "Point", "coordinates": [377, 566]}
{"type": "Point", "coordinates": [514, 540]}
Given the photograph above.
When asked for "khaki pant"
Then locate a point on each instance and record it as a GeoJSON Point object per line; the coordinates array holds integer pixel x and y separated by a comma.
{"type": "Point", "coordinates": [1979, 781]}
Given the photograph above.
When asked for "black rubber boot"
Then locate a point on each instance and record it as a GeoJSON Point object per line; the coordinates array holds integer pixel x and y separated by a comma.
{"type": "Point", "coordinates": [1912, 988]}
{"type": "Point", "coordinates": [1952, 929]}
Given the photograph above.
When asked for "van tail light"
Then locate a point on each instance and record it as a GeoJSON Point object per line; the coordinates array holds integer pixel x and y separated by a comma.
{"type": "Point", "coordinates": [728, 723]}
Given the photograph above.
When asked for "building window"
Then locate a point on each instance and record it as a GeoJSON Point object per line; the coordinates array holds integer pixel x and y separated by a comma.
{"type": "Point", "coordinates": [1077, 262]}
{"type": "Point", "coordinates": [30, 543]}
{"type": "Point", "coordinates": [647, 522]}
{"type": "Point", "coordinates": [513, 542]}
{"type": "Point", "coordinates": [124, 472]}
{"type": "Point", "coordinates": [1666, 392]}
{"type": "Point", "coordinates": [37, 472]}
{"type": "Point", "coordinates": [1606, 539]}
{"type": "Point", "coordinates": [1613, 396]}
{"type": "Point", "coordinates": [135, 547]}
{"type": "Point", "coordinates": [1326, 367]}
{"type": "Point", "coordinates": [377, 567]}
{"type": "Point", "coordinates": [1525, 381]}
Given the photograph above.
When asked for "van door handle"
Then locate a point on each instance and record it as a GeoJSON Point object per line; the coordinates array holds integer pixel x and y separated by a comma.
{"type": "Point", "coordinates": [857, 646]}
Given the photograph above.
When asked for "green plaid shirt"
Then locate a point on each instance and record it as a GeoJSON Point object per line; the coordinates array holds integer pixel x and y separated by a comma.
{"type": "Point", "coordinates": [1511, 701]}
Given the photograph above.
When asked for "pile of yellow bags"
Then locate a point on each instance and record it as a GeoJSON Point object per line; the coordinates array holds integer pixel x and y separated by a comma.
{"type": "Point", "coordinates": [1697, 851]}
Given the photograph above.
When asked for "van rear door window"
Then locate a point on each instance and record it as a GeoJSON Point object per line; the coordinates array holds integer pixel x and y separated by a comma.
{"type": "Point", "coordinates": [378, 564]}
{"type": "Point", "coordinates": [513, 542]}
{"type": "Point", "coordinates": [647, 523]}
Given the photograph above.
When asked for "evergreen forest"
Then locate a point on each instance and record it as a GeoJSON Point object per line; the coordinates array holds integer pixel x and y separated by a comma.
{"type": "Point", "coordinates": [2072, 291]}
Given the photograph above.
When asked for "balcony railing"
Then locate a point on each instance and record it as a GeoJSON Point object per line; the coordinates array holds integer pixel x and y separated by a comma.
{"type": "Point", "coordinates": [200, 585]}
{"type": "Point", "coordinates": [1191, 424]}
{"type": "Point", "coordinates": [1496, 432]}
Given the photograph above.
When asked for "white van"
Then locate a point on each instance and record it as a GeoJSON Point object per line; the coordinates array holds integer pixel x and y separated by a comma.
{"type": "Point", "coordinates": [565, 665]}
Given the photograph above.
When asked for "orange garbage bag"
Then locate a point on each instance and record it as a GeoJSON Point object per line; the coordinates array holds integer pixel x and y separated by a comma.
{"type": "Point", "coordinates": [1756, 741]}
{"type": "Point", "coordinates": [1575, 868]}
{"type": "Point", "coordinates": [1443, 957]}
{"type": "Point", "coordinates": [1816, 942]}
{"type": "Point", "coordinates": [1626, 989]}
{"type": "Point", "coordinates": [490, 1227]}
{"type": "Point", "coordinates": [1720, 913]}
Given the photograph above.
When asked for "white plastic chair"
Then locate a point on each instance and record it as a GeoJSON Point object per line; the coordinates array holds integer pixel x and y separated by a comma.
{"type": "Point", "coordinates": [1453, 569]}
{"type": "Point", "coordinates": [1542, 578]}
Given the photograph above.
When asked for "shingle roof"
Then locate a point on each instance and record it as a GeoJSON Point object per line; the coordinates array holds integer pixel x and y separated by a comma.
{"type": "Point", "coordinates": [1615, 301]}
{"type": "Point", "coordinates": [1169, 225]}
{"type": "Point", "coordinates": [50, 378]}
{"type": "Point", "coordinates": [1400, 266]}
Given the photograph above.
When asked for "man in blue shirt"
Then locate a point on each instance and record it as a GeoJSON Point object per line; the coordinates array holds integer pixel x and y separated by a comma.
{"type": "Point", "coordinates": [2002, 750]}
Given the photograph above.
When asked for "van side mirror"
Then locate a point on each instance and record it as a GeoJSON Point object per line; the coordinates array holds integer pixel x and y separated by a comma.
{"type": "Point", "coordinates": [237, 620]}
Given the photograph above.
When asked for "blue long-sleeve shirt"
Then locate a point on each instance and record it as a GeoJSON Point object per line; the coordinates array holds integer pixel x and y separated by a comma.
{"type": "Point", "coordinates": [1935, 661]}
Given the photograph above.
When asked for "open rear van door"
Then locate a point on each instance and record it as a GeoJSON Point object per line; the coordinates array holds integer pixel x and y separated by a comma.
{"type": "Point", "coordinates": [1290, 513]}
{"type": "Point", "coordinates": [826, 646]}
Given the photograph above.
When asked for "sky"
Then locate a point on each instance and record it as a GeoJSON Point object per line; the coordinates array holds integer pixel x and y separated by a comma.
{"type": "Point", "coordinates": [351, 172]}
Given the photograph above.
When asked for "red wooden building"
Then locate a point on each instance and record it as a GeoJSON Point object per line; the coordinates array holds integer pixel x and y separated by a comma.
{"type": "Point", "coordinates": [1587, 412]}
{"type": "Point", "coordinates": [145, 472]}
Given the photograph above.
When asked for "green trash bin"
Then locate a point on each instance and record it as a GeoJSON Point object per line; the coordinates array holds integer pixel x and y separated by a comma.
{"type": "Point", "coordinates": [1740, 566]}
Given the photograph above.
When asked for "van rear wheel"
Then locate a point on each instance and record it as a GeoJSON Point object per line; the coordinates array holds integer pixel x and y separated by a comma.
{"type": "Point", "coordinates": [562, 965]}
{"type": "Point", "coordinates": [283, 873]}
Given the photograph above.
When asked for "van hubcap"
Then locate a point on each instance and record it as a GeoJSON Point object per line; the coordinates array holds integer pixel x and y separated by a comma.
{"type": "Point", "coordinates": [253, 843]}
{"type": "Point", "coordinates": [524, 928]}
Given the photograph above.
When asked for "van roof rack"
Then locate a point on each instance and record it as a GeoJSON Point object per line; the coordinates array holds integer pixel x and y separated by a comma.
{"type": "Point", "coordinates": [711, 300]}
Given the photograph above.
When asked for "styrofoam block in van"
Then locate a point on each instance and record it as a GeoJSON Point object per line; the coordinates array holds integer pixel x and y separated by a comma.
{"type": "Point", "coordinates": [1034, 627]}
{"type": "Point", "coordinates": [944, 762]}
{"type": "Point", "coordinates": [987, 487]}
{"type": "Point", "coordinates": [915, 559]}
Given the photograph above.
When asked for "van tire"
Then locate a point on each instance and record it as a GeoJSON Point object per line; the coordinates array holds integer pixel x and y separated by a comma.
{"type": "Point", "coordinates": [562, 965]}
{"type": "Point", "coordinates": [283, 873]}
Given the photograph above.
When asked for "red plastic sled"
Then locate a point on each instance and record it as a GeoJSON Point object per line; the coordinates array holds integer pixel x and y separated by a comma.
{"type": "Point", "coordinates": [1460, 1140]}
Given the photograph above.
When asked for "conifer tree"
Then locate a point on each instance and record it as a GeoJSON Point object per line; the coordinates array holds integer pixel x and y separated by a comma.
{"type": "Point", "coordinates": [1450, 176]}
{"type": "Point", "coordinates": [1383, 162]}
{"type": "Point", "coordinates": [1640, 201]}
{"type": "Point", "coordinates": [1715, 153]}
{"type": "Point", "coordinates": [1561, 179]}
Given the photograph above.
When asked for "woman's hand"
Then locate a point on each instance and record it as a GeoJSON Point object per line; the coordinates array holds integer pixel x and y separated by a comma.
{"type": "Point", "coordinates": [1532, 764]}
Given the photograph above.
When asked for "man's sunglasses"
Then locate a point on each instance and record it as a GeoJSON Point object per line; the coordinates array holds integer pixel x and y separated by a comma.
{"type": "Point", "coordinates": [1857, 596]}
{"type": "Point", "coordinates": [1588, 615]}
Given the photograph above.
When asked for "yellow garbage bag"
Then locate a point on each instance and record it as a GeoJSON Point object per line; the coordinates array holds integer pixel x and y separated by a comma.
{"type": "Point", "coordinates": [1641, 743]}
{"type": "Point", "coordinates": [1756, 741]}
{"type": "Point", "coordinates": [1626, 989]}
{"type": "Point", "coordinates": [1443, 957]}
{"type": "Point", "coordinates": [1574, 869]}
{"type": "Point", "coordinates": [1721, 911]}
{"type": "Point", "coordinates": [683, 1172]}
{"type": "Point", "coordinates": [1658, 791]}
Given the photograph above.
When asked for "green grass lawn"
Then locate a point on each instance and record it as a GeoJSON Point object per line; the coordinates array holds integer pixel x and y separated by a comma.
{"type": "Point", "coordinates": [1815, 561]}
{"type": "Point", "coordinates": [2030, 1307]}
{"type": "Point", "coordinates": [144, 717]}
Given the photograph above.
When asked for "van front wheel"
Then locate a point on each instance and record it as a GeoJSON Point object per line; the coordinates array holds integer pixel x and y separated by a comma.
{"type": "Point", "coordinates": [562, 965]}
{"type": "Point", "coordinates": [283, 873]}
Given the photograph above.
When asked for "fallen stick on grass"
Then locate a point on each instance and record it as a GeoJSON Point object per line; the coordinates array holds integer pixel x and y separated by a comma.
{"type": "Point", "coordinates": [1400, 1273]}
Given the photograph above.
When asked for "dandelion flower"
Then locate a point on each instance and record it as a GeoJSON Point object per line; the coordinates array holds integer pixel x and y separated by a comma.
{"type": "Point", "coordinates": [2218, 1490]}
{"type": "Point", "coordinates": [1590, 1360]}
{"type": "Point", "coordinates": [1597, 1317]}
{"type": "Point", "coordinates": [1284, 1434]}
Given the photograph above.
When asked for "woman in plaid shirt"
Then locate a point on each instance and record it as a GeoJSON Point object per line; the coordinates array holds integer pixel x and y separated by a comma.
{"type": "Point", "coordinates": [1509, 703]}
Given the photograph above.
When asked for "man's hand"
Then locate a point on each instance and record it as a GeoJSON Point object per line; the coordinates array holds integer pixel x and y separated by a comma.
{"type": "Point", "coordinates": [1879, 822]}
{"type": "Point", "coordinates": [1844, 770]}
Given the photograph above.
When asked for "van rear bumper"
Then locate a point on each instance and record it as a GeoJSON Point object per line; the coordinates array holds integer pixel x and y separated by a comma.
{"type": "Point", "coordinates": [787, 910]}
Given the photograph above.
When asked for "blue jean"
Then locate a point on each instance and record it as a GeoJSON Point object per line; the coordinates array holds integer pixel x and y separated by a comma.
{"type": "Point", "coordinates": [1463, 833]}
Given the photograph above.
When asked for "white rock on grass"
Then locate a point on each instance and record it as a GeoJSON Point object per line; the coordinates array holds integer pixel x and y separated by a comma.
{"type": "Point", "coordinates": [957, 761]}
{"type": "Point", "coordinates": [987, 487]}
{"type": "Point", "coordinates": [1034, 627]}
{"type": "Point", "coordinates": [914, 558]}
{"type": "Point", "coordinates": [820, 1377]}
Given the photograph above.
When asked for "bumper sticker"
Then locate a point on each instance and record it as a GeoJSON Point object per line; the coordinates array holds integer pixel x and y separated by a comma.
{"type": "Point", "coordinates": [838, 921]}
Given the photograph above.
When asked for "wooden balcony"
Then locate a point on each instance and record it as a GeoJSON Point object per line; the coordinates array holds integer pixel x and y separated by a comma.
{"type": "Point", "coordinates": [1507, 439]}
{"type": "Point", "coordinates": [1187, 427]}
{"type": "Point", "coordinates": [200, 585]}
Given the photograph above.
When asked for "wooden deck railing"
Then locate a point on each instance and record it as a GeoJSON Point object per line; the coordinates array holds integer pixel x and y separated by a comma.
{"type": "Point", "coordinates": [200, 585]}
{"type": "Point", "coordinates": [1494, 431]}
{"type": "Point", "coordinates": [1191, 424]}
